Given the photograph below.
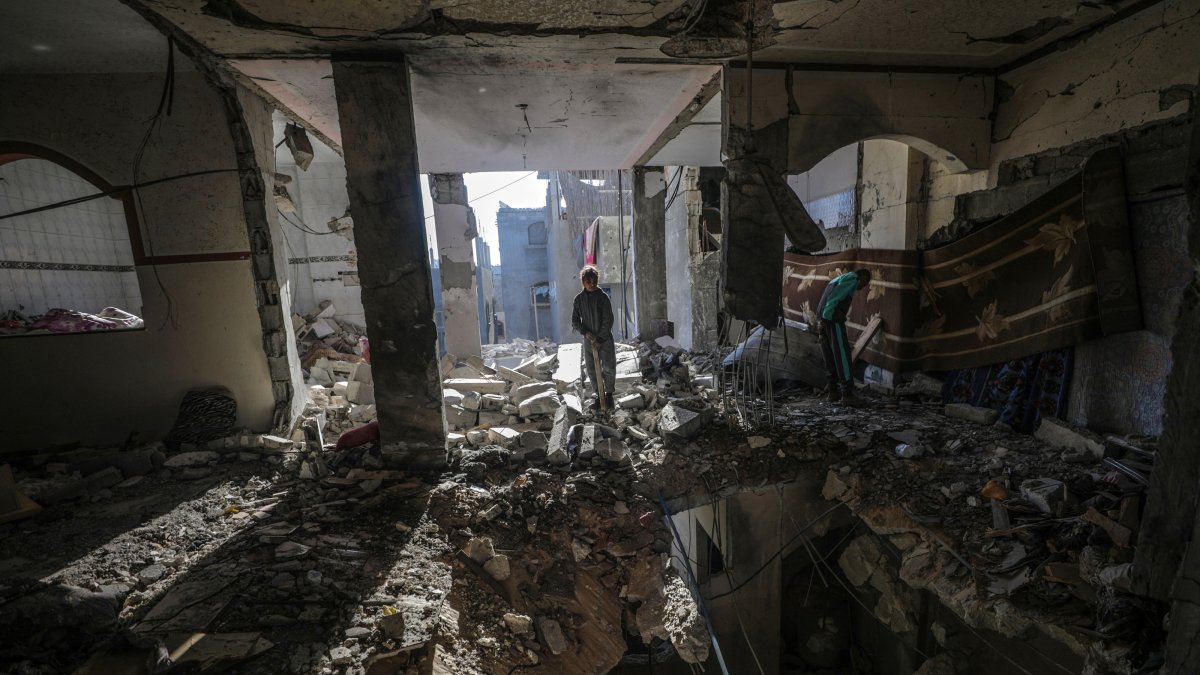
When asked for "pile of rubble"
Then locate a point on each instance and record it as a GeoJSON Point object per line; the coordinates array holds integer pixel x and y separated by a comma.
{"type": "Point", "coordinates": [1015, 533]}
{"type": "Point", "coordinates": [537, 412]}
{"type": "Point", "coordinates": [319, 335]}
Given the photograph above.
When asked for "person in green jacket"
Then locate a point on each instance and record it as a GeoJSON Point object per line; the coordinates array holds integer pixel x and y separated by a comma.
{"type": "Point", "coordinates": [832, 310]}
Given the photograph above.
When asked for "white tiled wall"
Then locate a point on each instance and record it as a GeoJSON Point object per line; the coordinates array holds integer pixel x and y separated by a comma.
{"type": "Point", "coordinates": [90, 233]}
{"type": "Point", "coordinates": [319, 195]}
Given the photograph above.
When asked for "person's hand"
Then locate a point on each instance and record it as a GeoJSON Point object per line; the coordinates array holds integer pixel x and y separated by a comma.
{"type": "Point", "coordinates": [591, 338]}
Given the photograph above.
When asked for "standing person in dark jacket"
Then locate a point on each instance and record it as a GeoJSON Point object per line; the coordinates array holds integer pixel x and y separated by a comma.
{"type": "Point", "coordinates": [592, 317]}
{"type": "Point", "coordinates": [832, 309]}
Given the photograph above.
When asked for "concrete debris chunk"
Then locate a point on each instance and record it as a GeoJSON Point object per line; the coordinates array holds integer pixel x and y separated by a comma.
{"type": "Point", "coordinates": [612, 450]}
{"type": "Point", "coordinates": [557, 452]}
{"type": "Point", "coordinates": [498, 567]}
{"type": "Point", "coordinates": [551, 635]}
{"type": "Point", "coordinates": [194, 458]}
{"type": "Point", "coordinates": [480, 549]}
{"type": "Point", "coordinates": [518, 623]}
{"type": "Point", "coordinates": [527, 391]}
{"type": "Point", "coordinates": [541, 404]}
{"type": "Point", "coordinates": [516, 377]}
{"type": "Point", "coordinates": [503, 436]}
{"type": "Point", "coordinates": [533, 440]}
{"type": "Point", "coordinates": [451, 396]}
{"type": "Point", "coordinates": [570, 366]}
{"type": "Point", "coordinates": [1043, 493]}
{"type": "Point", "coordinates": [478, 385]}
{"type": "Point", "coordinates": [677, 423]}
{"type": "Point", "coordinates": [1059, 434]}
{"type": "Point", "coordinates": [971, 413]}
{"type": "Point", "coordinates": [632, 401]}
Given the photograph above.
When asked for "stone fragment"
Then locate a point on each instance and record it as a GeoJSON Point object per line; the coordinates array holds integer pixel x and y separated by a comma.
{"type": "Point", "coordinates": [611, 449]}
{"type": "Point", "coordinates": [362, 373]}
{"type": "Point", "coordinates": [392, 625]}
{"type": "Point", "coordinates": [491, 419]}
{"type": "Point", "coordinates": [516, 377]}
{"type": "Point", "coordinates": [492, 402]}
{"type": "Point", "coordinates": [533, 440]}
{"type": "Point", "coordinates": [480, 549]}
{"type": "Point", "coordinates": [540, 404]}
{"type": "Point", "coordinates": [551, 634]}
{"type": "Point", "coordinates": [557, 452]}
{"type": "Point", "coordinates": [532, 389]}
{"type": "Point", "coordinates": [477, 385]}
{"type": "Point", "coordinates": [498, 567]}
{"type": "Point", "coordinates": [151, 573]}
{"type": "Point", "coordinates": [677, 423]}
{"type": "Point", "coordinates": [451, 396]}
{"type": "Point", "coordinates": [460, 418]}
{"type": "Point", "coordinates": [1059, 434]}
{"type": "Point", "coordinates": [104, 478]}
{"type": "Point", "coordinates": [757, 442]}
{"type": "Point", "coordinates": [477, 437]}
{"type": "Point", "coordinates": [341, 656]}
{"type": "Point", "coordinates": [834, 486]}
{"type": "Point", "coordinates": [194, 458]}
{"type": "Point", "coordinates": [632, 401]}
{"type": "Point", "coordinates": [1043, 493]}
{"type": "Point", "coordinates": [971, 413]}
{"type": "Point", "coordinates": [518, 623]}
{"type": "Point", "coordinates": [503, 436]}
{"type": "Point", "coordinates": [360, 393]}
{"type": "Point", "coordinates": [570, 366]}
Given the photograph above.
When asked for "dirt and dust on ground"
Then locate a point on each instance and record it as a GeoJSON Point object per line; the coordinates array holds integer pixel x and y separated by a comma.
{"type": "Point", "coordinates": [543, 546]}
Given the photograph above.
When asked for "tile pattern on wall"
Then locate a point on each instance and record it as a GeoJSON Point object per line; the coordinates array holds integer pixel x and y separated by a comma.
{"type": "Point", "coordinates": [1120, 380]}
{"type": "Point", "coordinates": [76, 257]}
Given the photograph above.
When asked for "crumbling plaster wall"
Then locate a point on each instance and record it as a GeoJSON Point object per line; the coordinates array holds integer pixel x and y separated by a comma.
{"type": "Point", "coordinates": [887, 211]}
{"type": "Point", "coordinates": [315, 262]}
{"type": "Point", "coordinates": [105, 386]}
{"type": "Point", "coordinates": [1136, 71]}
{"type": "Point", "coordinates": [814, 113]}
{"type": "Point", "coordinates": [1128, 86]}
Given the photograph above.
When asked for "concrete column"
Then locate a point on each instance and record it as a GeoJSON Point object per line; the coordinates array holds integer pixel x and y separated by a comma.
{"type": "Point", "coordinates": [649, 245]}
{"type": "Point", "coordinates": [456, 235]}
{"type": "Point", "coordinates": [374, 102]}
{"type": "Point", "coordinates": [564, 267]}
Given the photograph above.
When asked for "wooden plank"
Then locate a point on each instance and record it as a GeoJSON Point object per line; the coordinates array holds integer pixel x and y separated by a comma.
{"type": "Point", "coordinates": [860, 345]}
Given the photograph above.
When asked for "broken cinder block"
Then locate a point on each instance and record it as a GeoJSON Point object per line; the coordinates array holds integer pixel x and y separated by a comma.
{"type": "Point", "coordinates": [971, 413]}
{"type": "Point", "coordinates": [1058, 433]}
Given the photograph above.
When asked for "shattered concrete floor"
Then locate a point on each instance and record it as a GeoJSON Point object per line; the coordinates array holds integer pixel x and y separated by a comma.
{"type": "Point", "coordinates": [243, 565]}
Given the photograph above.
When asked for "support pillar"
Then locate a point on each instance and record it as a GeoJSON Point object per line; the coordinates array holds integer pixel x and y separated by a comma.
{"type": "Point", "coordinates": [1167, 561]}
{"type": "Point", "coordinates": [374, 102]}
{"type": "Point", "coordinates": [456, 235]}
{"type": "Point", "coordinates": [649, 245]}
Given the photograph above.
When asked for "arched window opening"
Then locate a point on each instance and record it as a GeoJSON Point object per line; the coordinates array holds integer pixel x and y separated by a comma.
{"type": "Point", "coordinates": [537, 234]}
{"type": "Point", "coordinates": [883, 192]}
{"type": "Point", "coordinates": [69, 268]}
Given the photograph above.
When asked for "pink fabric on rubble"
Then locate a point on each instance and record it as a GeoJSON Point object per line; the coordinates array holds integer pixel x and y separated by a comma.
{"type": "Point", "coordinates": [59, 320]}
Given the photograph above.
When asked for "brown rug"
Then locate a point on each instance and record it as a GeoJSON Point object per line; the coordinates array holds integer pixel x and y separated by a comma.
{"type": "Point", "coordinates": [1055, 273]}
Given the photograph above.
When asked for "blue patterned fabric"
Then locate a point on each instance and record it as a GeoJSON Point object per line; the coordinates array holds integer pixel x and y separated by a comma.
{"type": "Point", "coordinates": [1021, 390]}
